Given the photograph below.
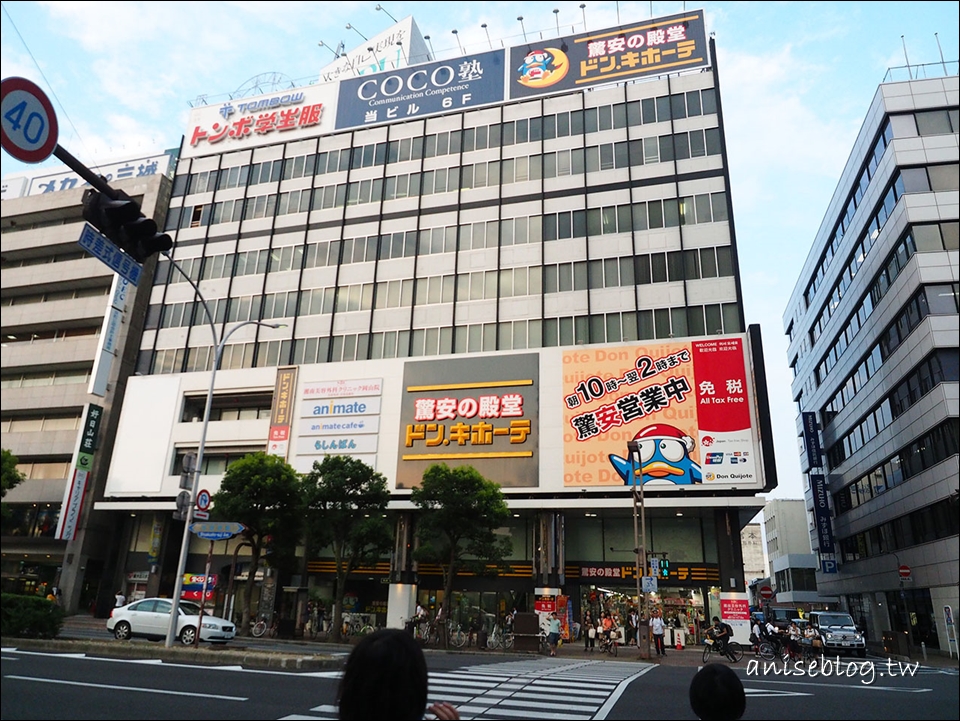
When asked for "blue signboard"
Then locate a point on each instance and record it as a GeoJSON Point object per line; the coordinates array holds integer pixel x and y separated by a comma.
{"type": "Point", "coordinates": [821, 512]}
{"type": "Point", "coordinates": [99, 247]}
{"type": "Point", "coordinates": [421, 90]}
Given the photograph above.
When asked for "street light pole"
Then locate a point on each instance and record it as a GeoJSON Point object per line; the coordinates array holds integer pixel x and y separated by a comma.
{"type": "Point", "coordinates": [185, 541]}
{"type": "Point", "coordinates": [640, 539]}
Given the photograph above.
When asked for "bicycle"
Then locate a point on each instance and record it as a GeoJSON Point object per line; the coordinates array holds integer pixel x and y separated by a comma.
{"type": "Point", "coordinates": [458, 637]}
{"type": "Point", "coordinates": [499, 638]}
{"type": "Point", "coordinates": [608, 642]}
{"type": "Point", "coordinates": [731, 650]}
{"type": "Point", "coordinates": [259, 627]}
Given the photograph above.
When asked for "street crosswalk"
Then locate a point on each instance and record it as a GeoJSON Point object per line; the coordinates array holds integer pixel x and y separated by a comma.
{"type": "Point", "coordinates": [529, 689]}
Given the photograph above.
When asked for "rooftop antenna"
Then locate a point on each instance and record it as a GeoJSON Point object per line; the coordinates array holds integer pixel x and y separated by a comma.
{"type": "Point", "coordinates": [520, 18]}
{"type": "Point", "coordinates": [556, 16]}
{"type": "Point", "coordinates": [583, 12]}
{"type": "Point", "coordinates": [457, 36]}
{"type": "Point", "coordinates": [350, 27]}
{"type": "Point", "coordinates": [381, 7]}
{"type": "Point", "coordinates": [942, 61]}
{"type": "Point", "coordinates": [490, 42]}
{"type": "Point", "coordinates": [904, 43]}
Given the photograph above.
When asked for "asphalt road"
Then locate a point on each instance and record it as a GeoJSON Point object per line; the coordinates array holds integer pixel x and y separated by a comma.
{"type": "Point", "coordinates": [57, 685]}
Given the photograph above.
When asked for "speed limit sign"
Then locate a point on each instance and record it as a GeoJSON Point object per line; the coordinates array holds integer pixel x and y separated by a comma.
{"type": "Point", "coordinates": [29, 125]}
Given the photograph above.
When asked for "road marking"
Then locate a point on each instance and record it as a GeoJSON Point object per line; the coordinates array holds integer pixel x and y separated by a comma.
{"type": "Point", "coordinates": [129, 688]}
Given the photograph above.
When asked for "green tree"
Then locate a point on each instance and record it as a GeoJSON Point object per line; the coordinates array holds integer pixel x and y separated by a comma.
{"type": "Point", "coordinates": [461, 511]}
{"type": "Point", "coordinates": [11, 477]}
{"type": "Point", "coordinates": [262, 492]}
{"type": "Point", "coordinates": [345, 501]}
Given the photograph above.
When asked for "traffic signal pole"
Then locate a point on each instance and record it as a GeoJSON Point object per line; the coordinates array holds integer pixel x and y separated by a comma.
{"type": "Point", "coordinates": [84, 172]}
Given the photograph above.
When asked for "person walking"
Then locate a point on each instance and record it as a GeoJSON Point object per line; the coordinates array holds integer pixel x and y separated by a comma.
{"type": "Point", "coordinates": [589, 629]}
{"type": "Point", "coordinates": [553, 633]}
{"type": "Point", "coordinates": [633, 627]}
{"type": "Point", "coordinates": [658, 628]}
{"type": "Point", "coordinates": [120, 599]}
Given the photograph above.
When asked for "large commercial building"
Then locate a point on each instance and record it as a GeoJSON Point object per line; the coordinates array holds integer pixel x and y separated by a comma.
{"type": "Point", "coordinates": [873, 330]}
{"type": "Point", "coordinates": [519, 259]}
{"type": "Point", "coordinates": [64, 370]}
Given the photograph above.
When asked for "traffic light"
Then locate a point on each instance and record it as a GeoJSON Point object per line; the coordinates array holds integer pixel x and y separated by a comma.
{"type": "Point", "coordinates": [124, 225]}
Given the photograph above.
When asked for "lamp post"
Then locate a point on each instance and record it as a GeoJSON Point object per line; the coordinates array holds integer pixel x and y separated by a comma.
{"type": "Point", "coordinates": [185, 542]}
{"type": "Point", "coordinates": [639, 536]}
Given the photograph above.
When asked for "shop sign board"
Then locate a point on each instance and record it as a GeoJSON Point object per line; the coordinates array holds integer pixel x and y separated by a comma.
{"type": "Point", "coordinates": [689, 405]}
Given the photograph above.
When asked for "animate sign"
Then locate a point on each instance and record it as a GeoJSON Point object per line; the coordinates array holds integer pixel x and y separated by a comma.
{"type": "Point", "coordinates": [688, 406]}
{"type": "Point", "coordinates": [340, 417]}
{"type": "Point", "coordinates": [469, 411]}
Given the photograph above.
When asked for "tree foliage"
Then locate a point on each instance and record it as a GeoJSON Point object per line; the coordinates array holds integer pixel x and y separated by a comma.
{"type": "Point", "coordinates": [11, 477]}
{"type": "Point", "coordinates": [461, 511]}
{"type": "Point", "coordinates": [345, 501]}
{"type": "Point", "coordinates": [262, 492]}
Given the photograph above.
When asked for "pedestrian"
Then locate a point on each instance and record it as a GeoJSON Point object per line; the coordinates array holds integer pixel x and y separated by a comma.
{"type": "Point", "coordinates": [589, 627]}
{"type": "Point", "coordinates": [633, 627]}
{"type": "Point", "coordinates": [658, 628]}
{"type": "Point", "coordinates": [716, 693]}
{"type": "Point", "coordinates": [386, 678]}
{"type": "Point", "coordinates": [120, 599]}
{"type": "Point", "coordinates": [553, 633]}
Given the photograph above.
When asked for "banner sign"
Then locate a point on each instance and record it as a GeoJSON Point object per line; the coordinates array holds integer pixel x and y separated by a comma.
{"type": "Point", "coordinates": [471, 411]}
{"type": "Point", "coordinates": [689, 406]}
{"type": "Point", "coordinates": [427, 89]}
{"type": "Point", "coordinates": [811, 439]}
{"type": "Point", "coordinates": [281, 412]}
{"type": "Point", "coordinates": [82, 465]}
{"type": "Point", "coordinates": [821, 512]}
{"type": "Point", "coordinates": [653, 47]}
{"type": "Point", "coordinates": [340, 417]}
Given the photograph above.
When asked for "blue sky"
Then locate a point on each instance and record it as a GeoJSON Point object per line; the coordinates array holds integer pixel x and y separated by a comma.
{"type": "Point", "coordinates": [796, 80]}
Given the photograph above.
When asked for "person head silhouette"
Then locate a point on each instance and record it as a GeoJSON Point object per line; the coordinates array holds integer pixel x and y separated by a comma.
{"type": "Point", "coordinates": [386, 678]}
{"type": "Point", "coordinates": [716, 693]}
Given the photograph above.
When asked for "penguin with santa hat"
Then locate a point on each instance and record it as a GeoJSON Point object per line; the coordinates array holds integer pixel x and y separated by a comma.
{"type": "Point", "coordinates": [664, 457]}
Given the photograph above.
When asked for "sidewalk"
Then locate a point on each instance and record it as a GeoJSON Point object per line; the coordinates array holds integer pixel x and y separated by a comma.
{"type": "Point", "coordinates": [689, 657]}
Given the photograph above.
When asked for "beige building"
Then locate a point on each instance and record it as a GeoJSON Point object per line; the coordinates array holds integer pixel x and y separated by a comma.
{"type": "Point", "coordinates": [55, 297]}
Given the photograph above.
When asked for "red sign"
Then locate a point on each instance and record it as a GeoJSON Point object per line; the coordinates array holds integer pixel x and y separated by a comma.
{"type": "Point", "coordinates": [734, 609]}
{"type": "Point", "coordinates": [545, 606]}
{"type": "Point", "coordinates": [766, 593]}
{"type": "Point", "coordinates": [904, 571]}
{"type": "Point", "coordinates": [29, 124]}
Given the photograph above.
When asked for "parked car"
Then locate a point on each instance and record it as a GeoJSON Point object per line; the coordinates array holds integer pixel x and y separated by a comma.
{"type": "Point", "coordinates": [838, 633]}
{"type": "Point", "coordinates": [150, 618]}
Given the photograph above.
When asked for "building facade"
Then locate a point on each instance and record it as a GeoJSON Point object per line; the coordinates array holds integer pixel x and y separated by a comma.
{"type": "Point", "coordinates": [58, 378]}
{"type": "Point", "coordinates": [873, 330]}
{"type": "Point", "coordinates": [547, 275]}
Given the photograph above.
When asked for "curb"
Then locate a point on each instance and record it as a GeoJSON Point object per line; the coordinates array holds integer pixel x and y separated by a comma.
{"type": "Point", "coordinates": [204, 655]}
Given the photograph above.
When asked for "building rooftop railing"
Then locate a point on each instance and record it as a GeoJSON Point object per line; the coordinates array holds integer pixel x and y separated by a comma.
{"type": "Point", "coordinates": [922, 72]}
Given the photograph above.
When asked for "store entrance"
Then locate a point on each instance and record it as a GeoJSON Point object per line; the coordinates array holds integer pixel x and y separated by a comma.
{"type": "Point", "coordinates": [683, 608]}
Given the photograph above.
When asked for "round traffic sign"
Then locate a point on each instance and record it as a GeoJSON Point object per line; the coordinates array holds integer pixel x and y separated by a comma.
{"type": "Point", "coordinates": [766, 593]}
{"type": "Point", "coordinates": [904, 571]}
{"type": "Point", "coordinates": [203, 500]}
{"type": "Point", "coordinates": [28, 124]}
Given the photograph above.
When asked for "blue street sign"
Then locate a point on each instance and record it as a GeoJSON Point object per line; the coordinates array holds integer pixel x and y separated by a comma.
{"type": "Point", "coordinates": [214, 535]}
{"type": "Point", "coordinates": [110, 255]}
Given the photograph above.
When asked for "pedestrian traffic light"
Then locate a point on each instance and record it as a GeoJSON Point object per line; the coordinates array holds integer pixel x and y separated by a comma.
{"type": "Point", "coordinates": [124, 225]}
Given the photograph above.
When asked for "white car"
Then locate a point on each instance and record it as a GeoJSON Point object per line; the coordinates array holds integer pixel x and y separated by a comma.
{"type": "Point", "coordinates": [150, 617]}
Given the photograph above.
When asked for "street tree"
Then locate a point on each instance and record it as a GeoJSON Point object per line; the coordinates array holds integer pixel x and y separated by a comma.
{"type": "Point", "coordinates": [461, 512]}
{"type": "Point", "coordinates": [262, 492]}
{"type": "Point", "coordinates": [345, 501]}
{"type": "Point", "coordinates": [11, 477]}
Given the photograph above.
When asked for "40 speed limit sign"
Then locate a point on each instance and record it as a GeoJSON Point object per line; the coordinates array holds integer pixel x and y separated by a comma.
{"type": "Point", "coordinates": [28, 124]}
